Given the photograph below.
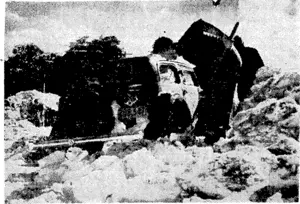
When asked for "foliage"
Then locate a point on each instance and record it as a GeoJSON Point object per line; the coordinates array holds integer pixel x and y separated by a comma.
{"type": "Point", "coordinates": [93, 55]}
{"type": "Point", "coordinates": [86, 60]}
{"type": "Point", "coordinates": [23, 70]}
{"type": "Point", "coordinates": [31, 68]}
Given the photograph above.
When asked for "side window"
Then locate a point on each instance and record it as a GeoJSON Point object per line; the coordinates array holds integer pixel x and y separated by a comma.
{"type": "Point", "coordinates": [168, 74]}
{"type": "Point", "coordinates": [186, 78]}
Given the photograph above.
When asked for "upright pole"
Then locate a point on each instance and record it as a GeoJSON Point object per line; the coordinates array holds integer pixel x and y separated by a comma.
{"type": "Point", "coordinates": [234, 30]}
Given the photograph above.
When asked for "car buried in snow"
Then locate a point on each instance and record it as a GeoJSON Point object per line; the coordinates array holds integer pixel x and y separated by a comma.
{"type": "Point", "coordinates": [179, 80]}
{"type": "Point", "coordinates": [175, 79]}
{"type": "Point", "coordinates": [140, 82]}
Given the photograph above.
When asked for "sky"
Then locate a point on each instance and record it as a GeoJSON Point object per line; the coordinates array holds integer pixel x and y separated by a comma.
{"type": "Point", "coordinates": [271, 26]}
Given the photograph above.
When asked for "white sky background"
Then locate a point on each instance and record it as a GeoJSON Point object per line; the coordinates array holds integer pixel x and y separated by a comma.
{"type": "Point", "coordinates": [271, 26]}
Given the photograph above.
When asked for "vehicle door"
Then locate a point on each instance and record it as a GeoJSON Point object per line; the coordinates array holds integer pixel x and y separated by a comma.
{"type": "Point", "coordinates": [190, 89]}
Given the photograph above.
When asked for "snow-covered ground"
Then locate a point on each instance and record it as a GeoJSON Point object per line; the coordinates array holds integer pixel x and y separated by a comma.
{"type": "Point", "coordinates": [259, 161]}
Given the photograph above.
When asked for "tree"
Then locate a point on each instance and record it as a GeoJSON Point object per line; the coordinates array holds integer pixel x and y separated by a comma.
{"type": "Point", "coordinates": [89, 59]}
{"type": "Point", "coordinates": [23, 70]}
{"type": "Point", "coordinates": [30, 68]}
{"type": "Point", "coordinates": [94, 55]}
{"type": "Point", "coordinates": [50, 73]}
{"type": "Point", "coordinates": [88, 93]}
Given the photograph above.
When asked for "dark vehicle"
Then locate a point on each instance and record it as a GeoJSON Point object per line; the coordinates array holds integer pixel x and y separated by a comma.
{"type": "Point", "coordinates": [173, 78]}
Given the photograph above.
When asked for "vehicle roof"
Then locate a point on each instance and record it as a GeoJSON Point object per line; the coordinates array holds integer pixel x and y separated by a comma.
{"type": "Point", "coordinates": [182, 65]}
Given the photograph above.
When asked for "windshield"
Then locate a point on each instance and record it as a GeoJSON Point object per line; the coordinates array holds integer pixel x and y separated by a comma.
{"type": "Point", "coordinates": [168, 74]}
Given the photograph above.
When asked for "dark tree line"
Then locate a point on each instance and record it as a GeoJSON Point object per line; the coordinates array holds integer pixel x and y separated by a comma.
{"type": "Point", "coordinates": [31, 68]}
